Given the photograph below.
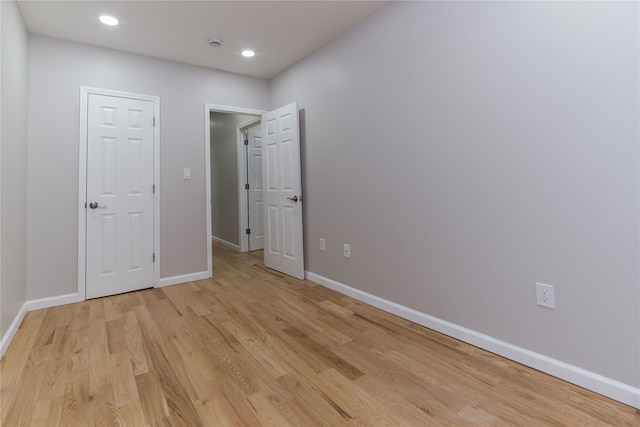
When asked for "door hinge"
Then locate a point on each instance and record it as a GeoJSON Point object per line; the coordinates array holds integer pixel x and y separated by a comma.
{"type": "Point", "coordinates": [154, 257]}
{"type": "Point", "coordinates": [248, 231]}
{"type": "Point", "coordinates": [154, 122]}
{"type": "Point", "coordinates": [246, 186]}
{"type": "Point", "coordinates": [154, 189]}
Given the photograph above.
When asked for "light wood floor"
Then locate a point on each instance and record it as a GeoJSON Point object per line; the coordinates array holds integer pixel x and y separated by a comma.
{"type": "Point", "coordinates": [254, 348]}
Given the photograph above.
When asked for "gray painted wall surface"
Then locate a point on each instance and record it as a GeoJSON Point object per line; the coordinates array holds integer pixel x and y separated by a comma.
{"type": "Point", "coordinates": [224, 175]}
{"type": "Point", "coordinates": [469, 150]}
{"type": "Point", "coordinates": [57, 70]}
{"type": "Point", "coordinates": [13, 96]}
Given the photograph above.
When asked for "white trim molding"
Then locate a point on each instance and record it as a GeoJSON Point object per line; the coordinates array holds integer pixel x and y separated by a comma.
{"type": "Point", "coordinates": [600, 384]}
{"type": "Point", "coordinates": [13, 328]}
{"type": "Point", "coordinates": [226, 243]}
{"type": "Point", "coordinates": [37, 304]}
{"type": "Point", "coordinates": [185, 278]}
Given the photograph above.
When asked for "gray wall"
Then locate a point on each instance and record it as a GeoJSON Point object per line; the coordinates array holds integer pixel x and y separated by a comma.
{"type": "Point", "coordinates": [13, 99]}
{"type": "Point", "coordinates": [467, 150]}
{"type": "Point", "coordinates": [57, 69]}
{"type": "Point", "coordinates": [224, 175]}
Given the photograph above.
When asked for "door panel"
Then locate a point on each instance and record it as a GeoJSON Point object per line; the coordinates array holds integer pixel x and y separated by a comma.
{"type": "Point", "coordinates": [119, 246]}
{"type": "Point", "coordinates": [288, 238]}
{"type": "Point", "coordinates": [283, 191]}
{"type": "Point", "coordinates": [107, 240]}
{"type": "Point", "coordinates": [274, 248]}
{"type": "Point", "coordinates": [272, 167]}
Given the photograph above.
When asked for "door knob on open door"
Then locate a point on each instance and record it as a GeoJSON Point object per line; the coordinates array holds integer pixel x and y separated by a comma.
{"type": "Point", "coordinates": [95, 205]}
{"type": "Point", "coordinates": [294, 199]}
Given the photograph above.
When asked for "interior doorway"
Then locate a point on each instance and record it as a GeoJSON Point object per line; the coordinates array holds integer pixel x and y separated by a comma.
{"type": "Point", "coordinates": [280, 168]}
{"type": "Point", "coordinates": [228, 172]}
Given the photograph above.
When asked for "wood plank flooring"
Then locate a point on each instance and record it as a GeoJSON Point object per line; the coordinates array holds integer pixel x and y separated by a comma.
{"type": "Point", "coordinates": [254, 348]}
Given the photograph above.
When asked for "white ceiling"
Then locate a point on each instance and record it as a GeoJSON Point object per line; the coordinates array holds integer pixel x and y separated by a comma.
{"type": "Point", "coordinates": [281, 32]}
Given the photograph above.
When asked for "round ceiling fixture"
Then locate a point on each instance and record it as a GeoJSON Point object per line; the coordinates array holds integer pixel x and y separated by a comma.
{"type": "Point", "coordinates": [108, 20]}
{"type": "Point", "coordinates": [215, 41]}
{"type": "Point", "coordinates": [248, 53]}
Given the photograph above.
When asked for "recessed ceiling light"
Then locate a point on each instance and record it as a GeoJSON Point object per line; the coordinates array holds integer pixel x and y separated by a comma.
{"type": "Point", "coordinates": [248, 53]}
{"type": "Point", "coordinates": [108, 20]}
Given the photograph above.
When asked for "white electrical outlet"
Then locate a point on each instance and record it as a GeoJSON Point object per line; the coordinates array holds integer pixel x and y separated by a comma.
{"type": "Point", "coordinates": [323, 246]}
{"type": "Point", "coordinates": [544, 295]}
{"type": "Point", "coordinates": [347, 250]}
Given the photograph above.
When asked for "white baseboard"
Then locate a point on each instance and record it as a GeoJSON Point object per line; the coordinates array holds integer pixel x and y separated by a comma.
{"type": "Point", "coordinates": [192, 277]}
{"type": "Point", "coordinates": [224, 242]}
{"type": "Point", "coordinates": [608, 387]}
{"type": "Point", "coordinates": [37, 304]}
{"type": "Point", "coordinates": [13, 328]}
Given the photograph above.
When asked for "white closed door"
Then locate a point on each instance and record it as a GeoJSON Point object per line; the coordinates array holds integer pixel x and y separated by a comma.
{"type": "Point", "coordinates": [254, 175]}
{"type": "Point", "coordinates": [282, 191]}
{"type": "Point", "coordinates": [120, 201]}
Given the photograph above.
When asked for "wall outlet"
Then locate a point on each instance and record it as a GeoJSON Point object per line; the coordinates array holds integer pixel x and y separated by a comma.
{"type": "Point", "coordinates": [544, 296]}
{"type": "Point", "coordinates": [323, 246]}
{"type": "Point", "coordinates": [347, 250]}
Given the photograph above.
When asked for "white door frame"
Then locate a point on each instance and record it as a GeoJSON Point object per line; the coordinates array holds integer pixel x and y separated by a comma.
{"type": "Point", "coordinates": [216, 108]}
{"type": "Point", "coordinates": [82, 182]}
{"type": "Point", "coordinates": [242, 175]}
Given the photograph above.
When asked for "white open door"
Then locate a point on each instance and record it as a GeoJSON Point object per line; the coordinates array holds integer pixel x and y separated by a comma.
{"type": "Point", "coordinates": [254, 179]}
{"type": "Point", "coordinates": [281, 179]}
{"type": "Point", "coordinates": [119, 195]}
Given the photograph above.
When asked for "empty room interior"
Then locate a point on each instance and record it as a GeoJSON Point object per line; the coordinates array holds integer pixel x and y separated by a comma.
{"type": "Point", "coordinates": [381, 213]}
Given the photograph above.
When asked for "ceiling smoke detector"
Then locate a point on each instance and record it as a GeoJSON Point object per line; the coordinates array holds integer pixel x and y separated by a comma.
{"type": "Point", "coordinates": [215, 41]}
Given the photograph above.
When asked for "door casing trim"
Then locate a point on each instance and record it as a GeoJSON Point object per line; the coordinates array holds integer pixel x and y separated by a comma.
{"type": "Point", "coordinates": [82, 181]}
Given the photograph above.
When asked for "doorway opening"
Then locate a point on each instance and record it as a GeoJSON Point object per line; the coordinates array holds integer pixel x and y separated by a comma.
{"type": "Point", "coordinates": [279, 164]}
{"type": "Point", "coordinates": [228, 172]}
